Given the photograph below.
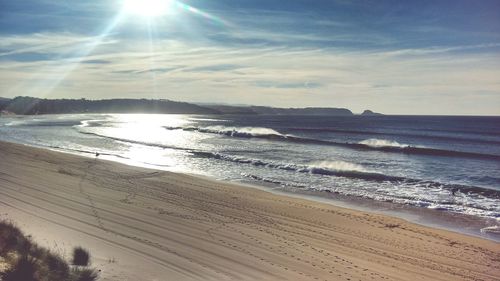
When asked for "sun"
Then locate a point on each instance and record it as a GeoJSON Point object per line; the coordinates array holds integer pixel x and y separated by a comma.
{"type": "Point", "coordinates": [147, 8]}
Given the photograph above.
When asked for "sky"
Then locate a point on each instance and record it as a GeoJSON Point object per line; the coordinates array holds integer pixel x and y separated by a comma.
{"type": "Point", "coordinates": [394, 57]}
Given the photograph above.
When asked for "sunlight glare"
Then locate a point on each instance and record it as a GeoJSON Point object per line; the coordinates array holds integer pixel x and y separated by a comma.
{"type": "Point", "coordinates": [147, 8]}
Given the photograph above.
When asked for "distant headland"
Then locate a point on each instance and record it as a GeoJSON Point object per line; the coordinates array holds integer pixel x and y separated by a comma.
{"type": "Point", "coordinates": [370, 113]}
{"type": "Point", "coordinates": [37, 106]}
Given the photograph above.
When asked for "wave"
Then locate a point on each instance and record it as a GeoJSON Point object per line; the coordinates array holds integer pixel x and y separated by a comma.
{"type": "Point", "coordinates": [350, 170]}
{"type": "Point", "coordinates": [91, 123]}
{"type": "Point", "coordinates": [392, 146]}
{"type": "Point", "coordinates": [339, 166]}
{"type": "Point", "coordinates": [273, 181]}
{"type": "Point", "coordinates": [473, 132]}
{"type": "Point", "coordinates": [245, 132]}
{"type": "Point", "coordinates": [322, 167]}
{"type": "Point", "coordinates": [491, 229]}
{"type": "Point", "coordinates": [383, 143]}
{"type": "Point", "coordinates": [399, 134]}
{"type": "Point", "coordinates": [369, 144]}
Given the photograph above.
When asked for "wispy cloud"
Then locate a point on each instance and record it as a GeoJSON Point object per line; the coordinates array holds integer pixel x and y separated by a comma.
{"type": "Point", "coordinates": [287, 85]}
{"type": "Point", "coordinates": [214, 68]}
{"type": "Point", "coordinates": [277, 75]}
{"type": "Point", "coordinates": [96, 61]}
{"type": "Point", "coordinates": [446, 49]}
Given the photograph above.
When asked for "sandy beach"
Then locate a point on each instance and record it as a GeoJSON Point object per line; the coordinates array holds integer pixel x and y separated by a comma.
{"type": "Point", "coordinates": [142, 224]}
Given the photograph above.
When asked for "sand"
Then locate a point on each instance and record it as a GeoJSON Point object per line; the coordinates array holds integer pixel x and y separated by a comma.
{"type": "Point", "coordinates": [142, 224]}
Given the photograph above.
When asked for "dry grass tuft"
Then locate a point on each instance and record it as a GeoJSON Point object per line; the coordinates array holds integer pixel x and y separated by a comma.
{"type": "Point", "coordinates": [22, 259]}
{"type": "Point", "coordinates": [81, 256]}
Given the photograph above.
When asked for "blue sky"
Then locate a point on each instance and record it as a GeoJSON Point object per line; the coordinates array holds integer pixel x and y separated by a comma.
{"type": "Point", "coordinates": [399, 57]}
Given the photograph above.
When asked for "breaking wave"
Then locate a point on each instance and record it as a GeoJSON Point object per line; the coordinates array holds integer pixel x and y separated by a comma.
{"type": "Point", "coordinates": [383, 143]}
{"type": "Point", "coordinates": [491, 229]}
{"type": "Point", "coordinates": [349, 170]}
{"type": "Point", "coordinates": [399, 134]}
{"type": "Point", "coordinates": [244, 132]}
{"type": "Point", "coordinates": [369, 144]}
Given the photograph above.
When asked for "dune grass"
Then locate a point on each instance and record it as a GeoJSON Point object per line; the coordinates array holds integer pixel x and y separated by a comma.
{"type": "Point", "coordinates": [29, 262]}
{"type": "Point", "coordinates": [81, 256]}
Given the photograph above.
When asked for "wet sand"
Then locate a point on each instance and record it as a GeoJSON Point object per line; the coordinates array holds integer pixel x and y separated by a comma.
{"type": "Point", "coordinates": [143, 224]}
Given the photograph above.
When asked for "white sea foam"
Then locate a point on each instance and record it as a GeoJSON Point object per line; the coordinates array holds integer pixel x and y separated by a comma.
{"type": "Point", "coordinates": [491, 229]}
{"type": "Point", "coordinates": [232, 131]}
{"type": "Point", "coordinates": [383, 143]}
{"type": "Point", "coordinates": [338, 166]}
{"type": "Point", "coordinates": [89, 123]}
{"type": "Point", "coordinates": [84, 123]}
{"type": "Point", "coordinates": [251, 131]}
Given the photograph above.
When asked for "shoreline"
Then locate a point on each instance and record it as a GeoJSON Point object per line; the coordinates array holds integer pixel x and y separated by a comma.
{"type": "Point", "coordinates": [444, 220]}
{"type": "Point", "coordinates": [459, 223]}
{"type": "Point", "coordinates": [159, 223]}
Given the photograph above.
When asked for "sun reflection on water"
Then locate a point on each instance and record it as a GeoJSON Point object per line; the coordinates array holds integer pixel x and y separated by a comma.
{"type": "Point", "coordinates": [153, 145]}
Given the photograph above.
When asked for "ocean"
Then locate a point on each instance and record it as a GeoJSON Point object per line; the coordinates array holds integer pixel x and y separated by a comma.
{"type": "Point", "coordinates": [450, 164]}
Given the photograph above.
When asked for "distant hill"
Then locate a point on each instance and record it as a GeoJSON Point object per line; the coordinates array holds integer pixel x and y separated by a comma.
{"type": "Point", "coordinates": [303, 111]}
{"type": "Point", "coordinates": [230, 109]}
{"type": "Point", "coordinates": [265, 110]}
{"type": "Point", "coordinates": [35, 106]}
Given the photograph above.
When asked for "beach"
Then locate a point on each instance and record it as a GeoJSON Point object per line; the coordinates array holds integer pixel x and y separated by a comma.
{"type": "Point", "coordinates": [144, 224]}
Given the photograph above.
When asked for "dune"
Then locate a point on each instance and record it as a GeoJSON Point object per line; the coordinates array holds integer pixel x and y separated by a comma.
{"type": "Point", "coordinates": [142, 224]}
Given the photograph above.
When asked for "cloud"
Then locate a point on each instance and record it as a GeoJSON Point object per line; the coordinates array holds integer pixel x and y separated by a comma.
{"type": "Point", "coordinates": [148, 70]}
{"type": "Point", "coordinates": [214, 68]}
{"type": "Point", "coordinates": [287, 85]}
{"type": "Point", "coordinates": [383, 80]}
{"type": "Point", "coordinates": [96, 61]}
{"type": "Point", "coordinates": [441, 49]}
{"type": "Point", "coordinates": [48, 43]}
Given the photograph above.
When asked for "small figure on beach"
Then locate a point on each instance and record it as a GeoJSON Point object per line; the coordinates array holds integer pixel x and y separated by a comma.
{"type": "Point", "coordinates": [96, 154]}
